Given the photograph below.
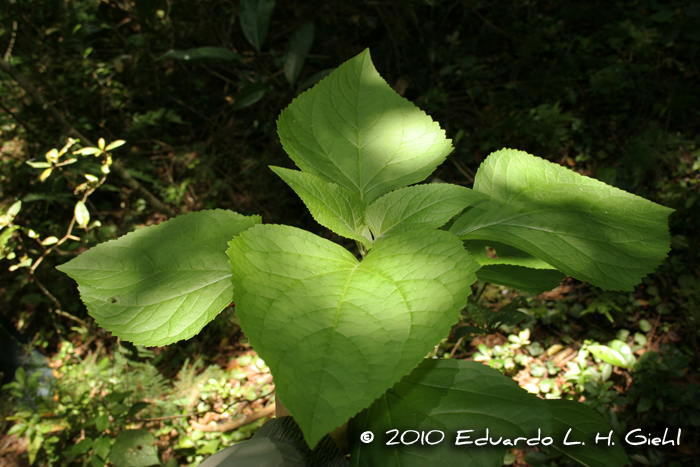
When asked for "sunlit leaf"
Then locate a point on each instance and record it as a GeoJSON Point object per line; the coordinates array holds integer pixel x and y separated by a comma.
{"type": "Point", "coordinates": [87, 151]}
{"type": "Point", "coordinates": [115, 144]}
{"type": "Point", "coordinates": [331, 205]}
{"type": "Point", "coordinates": [353, 129]}
{"type": "Point", "coordinates": [82, 215]}
{"type": "Point", "coordinates": [49, 240]}
{"type": "Point", "coordinates": [39, 165]}
{"type": "Point", "coordinates": [45, 174]}
{"type": "Point", "coordinates": [8, 213]}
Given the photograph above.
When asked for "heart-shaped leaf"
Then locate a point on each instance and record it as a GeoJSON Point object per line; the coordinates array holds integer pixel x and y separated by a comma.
{"type": "Point", "coordinates": [337, 332]}
{"type": "Point", "coordinates": [162, 283]}
{"type": "Point", "coordinates": [354, 130]}
{"type": "Point", "coordinates": [449, 396]}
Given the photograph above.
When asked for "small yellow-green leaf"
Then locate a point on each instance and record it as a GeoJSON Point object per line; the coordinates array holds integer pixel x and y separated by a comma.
{"type": "Point", "coordinates": [101, 143]}
{"type": "Point", "coordinates": [7, 215]}
{"type": "Point", "coordinates": [49, 240]}
{"type": "Point", "coordinates": [45, 174]}
{"type": "Point", "coordinates": [82, 215]}
{"type": "Point", "coordinates": [24, 262]}
{"type": "Point", "coordinates": [52, 156]}
{"type": "Point", "coordinates": [39, 165]}
{"type": "Point", "coordinates": [88, 151]}
{"type": "Point", "coordinates": [91, 177]}
{"type": "Point", "coordinates": [115, 144]}
{"type": "Point", "coordinates": [608, 355]}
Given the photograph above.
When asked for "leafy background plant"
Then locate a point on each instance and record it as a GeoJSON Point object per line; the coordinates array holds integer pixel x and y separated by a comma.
{"type": "Point", "coordinates": [609, 92]}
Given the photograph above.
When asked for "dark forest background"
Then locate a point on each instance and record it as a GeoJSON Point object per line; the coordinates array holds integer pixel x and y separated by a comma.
{"type": "Point", "coordinates": [608, 89]}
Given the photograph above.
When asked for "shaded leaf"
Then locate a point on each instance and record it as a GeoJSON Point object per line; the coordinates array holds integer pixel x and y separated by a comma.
{"type": "Point", "coordinates": [521, 278]}
{"type": "Point", "coordinates": [352, 329]}
{"type": "Point", "coordinates": [134, 448]}
{"type": "Point", "coordinates": [417, 208]}
{"type": "Point", "coordinates": [162, 283]}
{"type": "Point", "coordinates": [315, 78]}
{"type": "Point", "coordinates": [255, 19]}
{"type": "Point", "coordinates": [199, 53]}
{"type": "Point", "coordinates": [250, 95]}
{"type": "Point", "coordinates": [584, 228]}
{"type": "Point", "coordinates": [450, 396]}
{"type": "Point", "coordinates": [585, 424]}
{"type": "Point", "coordinates": [298, 48]}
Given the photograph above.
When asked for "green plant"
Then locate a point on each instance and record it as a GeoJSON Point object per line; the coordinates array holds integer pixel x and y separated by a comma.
{"type": "Point", "coordinates": [344, 334]}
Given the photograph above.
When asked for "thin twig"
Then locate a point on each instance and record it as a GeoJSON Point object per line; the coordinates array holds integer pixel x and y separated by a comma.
{"type": "Point", "coordinates": [489, 23]}
{"type": "Point", "coordinates": [234, 425]}
{"type": "Point", "coordinates": [13, 37]}
{"type": "Point", "coordinates": [454, 349]}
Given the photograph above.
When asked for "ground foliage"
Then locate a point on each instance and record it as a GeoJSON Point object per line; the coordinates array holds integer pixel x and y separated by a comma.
{"type": "Point", "coordinates": [607, 89]}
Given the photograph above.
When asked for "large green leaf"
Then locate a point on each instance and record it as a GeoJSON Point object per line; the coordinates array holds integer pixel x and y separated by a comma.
{"type": "Point", "coordinates": [417, 208]}
{"type": "Point", "coordinates": [575, 423]}
{"type": "Point", "coordinates": [162, 283]}
{"type": "Point", "coordinates": [354, 130]}
{"type": "Point", "coordinates": [449, 396]}
{"type": "Point", "coordinates": [332, 205]}
{"type": "Point", "coordinates": [337, 332]}
{"type": "Point", "coordinates": [583, 227]}
{"type": "Point", "coordinates": [255, 20]}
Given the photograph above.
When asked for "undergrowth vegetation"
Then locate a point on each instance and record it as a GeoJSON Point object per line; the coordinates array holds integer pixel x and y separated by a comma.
{"type": "Point", "coordinates": [609, 90]}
